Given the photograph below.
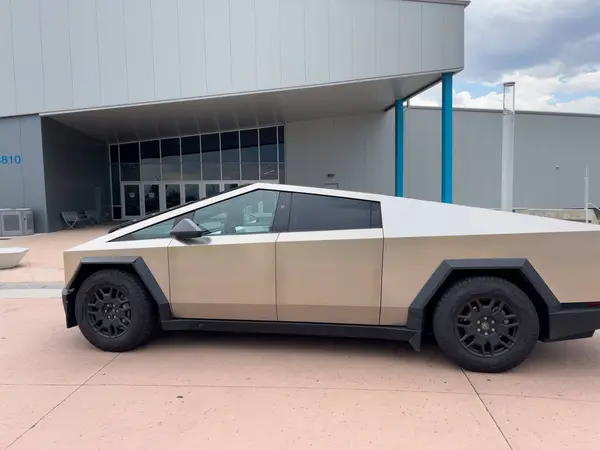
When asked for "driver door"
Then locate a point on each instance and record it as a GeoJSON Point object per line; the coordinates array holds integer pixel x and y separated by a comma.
{"type": "Point", "coordinates": [230, 272]}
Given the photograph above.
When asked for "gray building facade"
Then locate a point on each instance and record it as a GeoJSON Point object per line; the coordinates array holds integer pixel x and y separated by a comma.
{"type": "Point", "coordinates": [126, 106]}
{"type": "Point", "coordinates": [551, 153]}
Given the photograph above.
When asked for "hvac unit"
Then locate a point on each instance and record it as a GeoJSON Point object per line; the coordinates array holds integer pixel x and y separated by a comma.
{"type": "Point", "coordinates": [16, 222]}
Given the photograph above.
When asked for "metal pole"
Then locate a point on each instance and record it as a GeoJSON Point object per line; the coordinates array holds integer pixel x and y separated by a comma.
{"type": "Point", "coordinates": [587, 192]}
{"type": "Point", "coordinates": [508, 146]}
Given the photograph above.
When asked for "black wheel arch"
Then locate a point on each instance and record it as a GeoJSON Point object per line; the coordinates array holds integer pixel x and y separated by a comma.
{"type": "Point", "coordinates": [516, 270]}
{"type": "Point", "coordinates": [133, 264]}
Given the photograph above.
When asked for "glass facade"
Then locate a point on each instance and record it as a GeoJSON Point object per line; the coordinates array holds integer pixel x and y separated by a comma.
{"type": "Point", "coordinates": [153, 175]}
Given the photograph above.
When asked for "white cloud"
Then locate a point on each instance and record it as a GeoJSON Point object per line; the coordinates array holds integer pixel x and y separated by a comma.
{"type": "Point", "coordinates": [550, 48]}
{"type": "Point", "coordinates": [533, 93]}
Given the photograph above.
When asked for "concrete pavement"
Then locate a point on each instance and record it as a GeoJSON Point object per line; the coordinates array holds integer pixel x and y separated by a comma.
{"type": "Point", "coordinates": [228, 391]}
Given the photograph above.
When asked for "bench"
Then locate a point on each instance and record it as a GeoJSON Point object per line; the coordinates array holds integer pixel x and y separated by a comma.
{"type": "Point", "coordinates": [11, 256]}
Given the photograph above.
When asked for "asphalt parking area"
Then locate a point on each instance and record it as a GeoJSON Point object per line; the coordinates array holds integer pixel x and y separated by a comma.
{"type": "Point", "coordinates": [230, 391]}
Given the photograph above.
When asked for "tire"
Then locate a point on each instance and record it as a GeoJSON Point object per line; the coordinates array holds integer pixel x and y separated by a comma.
{"type": "Point", "coordinates": [125, 309]}
{"type": "Point", "coordinates": [476, 335]}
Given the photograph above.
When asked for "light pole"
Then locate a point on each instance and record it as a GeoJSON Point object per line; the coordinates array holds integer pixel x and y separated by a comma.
{"type": "Point", "coordinates": [508, 146]}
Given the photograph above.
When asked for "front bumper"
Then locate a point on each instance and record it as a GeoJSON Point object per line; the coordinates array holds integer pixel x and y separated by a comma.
{"type": "Point", "coordinates": [573, 321]}
{"type": "Point", "coordinates": [68, 299]}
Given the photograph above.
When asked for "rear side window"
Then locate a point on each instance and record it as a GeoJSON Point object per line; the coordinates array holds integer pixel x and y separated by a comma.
{"type": "Point", "coordinates": [311, 212]}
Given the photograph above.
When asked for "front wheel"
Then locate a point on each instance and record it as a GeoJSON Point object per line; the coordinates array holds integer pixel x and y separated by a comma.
{"type": "Point", "coordinates": [114, 311]}
{"type": "Point", "coordinates": [486, 324]}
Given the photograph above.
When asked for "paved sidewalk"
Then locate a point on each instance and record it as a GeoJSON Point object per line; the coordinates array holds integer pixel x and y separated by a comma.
{"type": "Point", "coordinates": [190, 391]}
{"type": "Point", "coordinates": [44, 262]}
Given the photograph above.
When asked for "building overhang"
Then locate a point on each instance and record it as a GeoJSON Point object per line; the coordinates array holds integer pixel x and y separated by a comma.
{"type": "Point", "coordinates": [211, 114]}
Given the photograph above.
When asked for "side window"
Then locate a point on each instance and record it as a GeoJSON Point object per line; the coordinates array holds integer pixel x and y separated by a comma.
{"type": "Point", "coordinates": [311, 212]}
{"type": "Point", "coordinates": [253, 212]}
{"type": "Point", "coordinates": [157, 231]}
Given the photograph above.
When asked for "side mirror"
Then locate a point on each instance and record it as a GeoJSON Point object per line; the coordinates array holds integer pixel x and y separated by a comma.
{"type": "Point", "coordinates": [186, 229]}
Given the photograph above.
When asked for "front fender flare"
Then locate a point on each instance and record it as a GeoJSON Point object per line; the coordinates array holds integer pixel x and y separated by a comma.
{"type": "Point", "coordinates": [88, 265]}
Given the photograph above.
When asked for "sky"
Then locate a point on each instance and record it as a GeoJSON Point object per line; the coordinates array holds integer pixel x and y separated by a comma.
{"type": "Point", "coordinates": [550, 48]}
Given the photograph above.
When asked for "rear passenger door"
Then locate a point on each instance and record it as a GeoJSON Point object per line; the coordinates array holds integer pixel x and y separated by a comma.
{"type": "Point", "coordinates": [329, 262]}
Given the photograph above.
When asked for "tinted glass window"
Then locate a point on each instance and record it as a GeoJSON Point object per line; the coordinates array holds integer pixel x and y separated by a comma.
{"type": "Point", "coordinates": [253, 212]}
{"type": "Point", "coordinates": [321, 213]}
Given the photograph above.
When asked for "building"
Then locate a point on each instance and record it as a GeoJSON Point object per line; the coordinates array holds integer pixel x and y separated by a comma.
{"type": "Point", "coordinates": [551, 153]}
{"type": "Point", "coordinates": [129, 106]}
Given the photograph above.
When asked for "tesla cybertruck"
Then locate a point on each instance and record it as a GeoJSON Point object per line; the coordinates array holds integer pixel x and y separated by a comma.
{"type": "Point", "coordinates": [279, 259]}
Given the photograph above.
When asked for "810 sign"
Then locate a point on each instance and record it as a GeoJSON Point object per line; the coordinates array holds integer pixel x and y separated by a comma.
{"type": "Point", "coordinates": [10, 159]}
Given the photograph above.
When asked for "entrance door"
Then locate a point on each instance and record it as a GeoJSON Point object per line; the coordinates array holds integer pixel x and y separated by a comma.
{"type": "Point", "coordinates": [131, 200]}
{"type": "Point", "coordinates": [172, 195]}
{"type": "Point", "coordinates": [151, 198]}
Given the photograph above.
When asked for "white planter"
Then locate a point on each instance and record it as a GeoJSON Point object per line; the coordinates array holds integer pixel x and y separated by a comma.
{"type": "Point", "coordinates": [11, 256]}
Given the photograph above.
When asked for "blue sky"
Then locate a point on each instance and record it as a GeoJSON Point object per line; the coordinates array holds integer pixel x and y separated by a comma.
{"type": "Point", "coordinates": [550, 48]}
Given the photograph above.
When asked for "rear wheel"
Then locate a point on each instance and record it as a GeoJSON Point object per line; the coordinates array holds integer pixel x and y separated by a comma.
{"type": "Point", "coordinates": [114, 311]}
{"type": "Point", "coordinates": [486, 324]}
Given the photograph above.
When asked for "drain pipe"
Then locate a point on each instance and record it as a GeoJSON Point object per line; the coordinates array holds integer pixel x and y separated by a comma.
{"type": "Point", "coordinates": [508, 146]}
{"type": "Point", "coordinates": [587, 192]}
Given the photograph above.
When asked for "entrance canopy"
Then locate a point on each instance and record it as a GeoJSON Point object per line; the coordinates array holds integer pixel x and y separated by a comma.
{"type": "Point", "coordinates": [211, 114]}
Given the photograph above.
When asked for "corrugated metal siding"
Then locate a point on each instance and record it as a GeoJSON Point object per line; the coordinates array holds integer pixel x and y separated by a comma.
{"type": "Point", "coordinates": [91, 53]}
{"type": "Point", "coordinates": [551, 152]}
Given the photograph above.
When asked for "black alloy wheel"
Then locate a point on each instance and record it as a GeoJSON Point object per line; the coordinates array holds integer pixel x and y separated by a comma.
{"type": "Point", "coordinates": [109, 312]}
{"type": "Point", "coordinates": [114, 310]}
{"type": "Point", "coordinates": [487, 326]}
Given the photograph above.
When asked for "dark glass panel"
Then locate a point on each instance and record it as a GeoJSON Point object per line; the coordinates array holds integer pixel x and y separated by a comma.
{"type": "Point", "coordinates": [130, 172]}
{"type": "Point", "coordinates": [250, 171]}
{"type": "Point", "coordinates": [230, 147]}
{"type": "Point", "coordinates": [150, 151]}
{"type": "Point", "coordinates": [192, 192]}
{"type": "Point", "coordinates": [210, 148]}
{"type": "Point", "coordinates": [268, 144]}
{"type": "Point", "coordinates": [190, 158]}
{"type": "Point", "coordinates": [129, 153]}
{"type": "Point", "coordinates": [211, 171]}
{"type": "Point", "coordinates": [172, 195]}
{"type": "Point", "coordinates": [117, 213]}
{"type": "Point", "coordinates": [116, 184]}
{"type": "Point", "coordinates": [268, 171]}
{"type": "Point", "coordinates": [151, 198]}
{"type": "Point", "coordinates": [249, 146]}
{"type": "Point", "coordinates": [231, 171]}
{"type": "Point", "coordinates": [114, 154]}
{"type": "Point", "coordinates": [282, 173]}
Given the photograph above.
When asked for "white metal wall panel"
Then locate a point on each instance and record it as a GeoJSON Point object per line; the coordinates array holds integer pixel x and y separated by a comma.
{"type": "Point", "coordinates": [317, 42]}
{"type": "Point", "coordinates": [192, 48]}
{"type": "Point", "coordinates": [358, 150]}
{"type": "Point", "coordinates": [442, 44]}
{"type": "Point", "coordinates": [340, 40]}
{"type": "Point", "coordinates": [93, 53]}
{"type": "Point", "coordinates": [218, 46]}
{"type": "Point", "coordinates": [243, 45]}
{"type": "Point", "coordinates": [8, 96]}
{"type": "Point", "coordinates": [387, 26]}
{"type": "Point", "coordinates": [56, 54]}
{"type": "Point", "coordinates": [139, 51]}
{"type": "Point", "coordinates": [364, 39]}
{"type": "Point", "coordinates": [167, 81]}
{"type": "Point", "coordinates": [268, 44]}
{"type": "Point", "coordinates": [411, 41]}
{"type": "Point", "coordinates": [111, 51]}
{"type": "Point", "coordinates": [29, 73]}
{"type": "Point", "coordinates": [293, 53]}
{"type": "Point", "coordinates": [84, 53]}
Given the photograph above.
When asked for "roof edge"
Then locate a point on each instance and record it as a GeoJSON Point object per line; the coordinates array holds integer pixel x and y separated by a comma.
{"type": "Point", "coordinates": [463, 3]}
{"type": "Point", "coordinates": [518, 111]}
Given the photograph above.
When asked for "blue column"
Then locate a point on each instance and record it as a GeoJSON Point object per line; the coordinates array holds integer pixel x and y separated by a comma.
{"type": "Point", "coordinates": [447, 138]}
{"type": "Point", "coordinates": [399, 148]}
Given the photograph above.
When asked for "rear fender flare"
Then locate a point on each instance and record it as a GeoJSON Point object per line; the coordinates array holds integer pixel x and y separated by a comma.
{"type": "Point", "coordinates": [417, 310]}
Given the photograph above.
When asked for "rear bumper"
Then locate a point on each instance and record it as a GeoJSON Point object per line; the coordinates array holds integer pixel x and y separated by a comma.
{"type": "Point", "coordinates": [68, 299]}
{"type": "Point", "coordinates": [573, 322]}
